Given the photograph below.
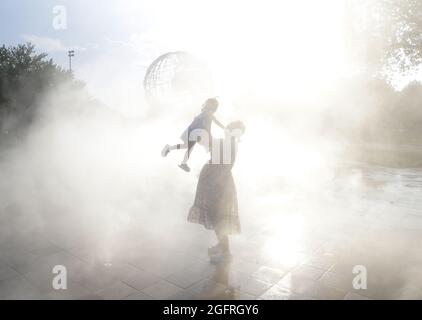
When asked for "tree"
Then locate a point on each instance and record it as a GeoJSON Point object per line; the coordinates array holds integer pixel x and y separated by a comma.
{"type": "Point", "coordinates": [385, 36]}
{"type": "Point", "coordinates": [407, 113]}
{"type": "Point", "coordinates": [25, 79]}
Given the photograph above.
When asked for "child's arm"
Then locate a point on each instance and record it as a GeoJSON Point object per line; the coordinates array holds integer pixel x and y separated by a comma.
{"type": "Point", "coordinates": [218, 123]}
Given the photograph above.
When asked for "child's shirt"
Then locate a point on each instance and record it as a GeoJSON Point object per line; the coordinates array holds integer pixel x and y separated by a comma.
{"type": "Point", "coordinates": [202, 121]}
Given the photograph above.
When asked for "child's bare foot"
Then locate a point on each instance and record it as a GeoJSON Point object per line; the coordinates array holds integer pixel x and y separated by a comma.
{"type": "Point", "coordinates": [185, 167]}
{"type": "Point", "coordinates": [165, 151]}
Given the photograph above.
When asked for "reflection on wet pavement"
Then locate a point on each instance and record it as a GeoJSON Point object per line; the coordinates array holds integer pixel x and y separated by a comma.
{"type": "Point", "coordinates": [300, 245]}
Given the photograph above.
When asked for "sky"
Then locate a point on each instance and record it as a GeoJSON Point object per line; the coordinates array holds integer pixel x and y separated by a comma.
{"type": "Point", "coordinates": [290, 44]}
{"type": "Point", "coordinates": [267, 48]}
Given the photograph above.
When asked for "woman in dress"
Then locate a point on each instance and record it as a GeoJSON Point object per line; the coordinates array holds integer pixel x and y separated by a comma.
{"type": "Point", "coordinates": [215, 205]}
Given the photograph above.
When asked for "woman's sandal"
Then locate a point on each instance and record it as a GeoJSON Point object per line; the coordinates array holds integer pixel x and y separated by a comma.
{"type": "Point", "coordinates": [221, 258]}
{"type": "Point", "coordinates": [214, 250]}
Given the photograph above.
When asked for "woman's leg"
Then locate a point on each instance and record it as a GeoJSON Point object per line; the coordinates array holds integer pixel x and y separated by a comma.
{"type": "Point", "coordinates": [223, 241]}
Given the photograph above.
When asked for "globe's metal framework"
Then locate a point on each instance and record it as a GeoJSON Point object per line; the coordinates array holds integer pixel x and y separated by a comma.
{"type": "Point", "coordinates": [177, 77]}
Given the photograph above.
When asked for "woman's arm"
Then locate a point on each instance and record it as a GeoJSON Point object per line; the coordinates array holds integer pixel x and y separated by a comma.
{"type": "Point", "coordinates": [218, 123]}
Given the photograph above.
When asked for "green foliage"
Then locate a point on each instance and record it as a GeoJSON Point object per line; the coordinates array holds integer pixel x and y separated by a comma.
{"type": "Point", "coordinates": [385, 36]}
{"type": "Point", "coordinates": [372, 111]}
{"type": "Point", "coordinates": [407, 114]}
{"type": "Point", "coordinates": [25, 79]}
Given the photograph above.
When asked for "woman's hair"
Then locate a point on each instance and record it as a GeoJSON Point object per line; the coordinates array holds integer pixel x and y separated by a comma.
{"type": "Point", "coordinates": [210, 104]}
{"type": "Point", "coordinates": [238, 126]}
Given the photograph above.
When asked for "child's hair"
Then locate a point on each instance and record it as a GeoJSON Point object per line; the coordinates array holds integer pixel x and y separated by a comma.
{"type": "Point", "coordinates": [210, 104]}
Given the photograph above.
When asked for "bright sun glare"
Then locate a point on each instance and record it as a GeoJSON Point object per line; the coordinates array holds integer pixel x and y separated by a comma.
{"type": "Point", "coordinates": [257, 44]}
{"type": "Point", "coordinates": [267, 45]}
{"type": "Point", "coordinates": [285, 244]}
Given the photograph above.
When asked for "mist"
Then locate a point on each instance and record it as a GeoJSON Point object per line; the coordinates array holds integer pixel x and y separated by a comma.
{"type": "Point", "coordinates": [328, 172]}
{"type": "Point", "coordinates": [87, 176]}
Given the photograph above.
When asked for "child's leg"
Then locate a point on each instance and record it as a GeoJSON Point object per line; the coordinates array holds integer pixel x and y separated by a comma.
{"type": "Point", "coordinates": [178, 146]}
{"type": "Point", "coordinates": [168, 148]}
{"type": "Point", "coordinates": [187, 153]}
{"type": "Point", "coordinates": [186, 157]}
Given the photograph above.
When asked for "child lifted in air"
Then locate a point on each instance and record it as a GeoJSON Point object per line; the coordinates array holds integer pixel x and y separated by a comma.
{"type": "Point", "coordinates": [201, 122]}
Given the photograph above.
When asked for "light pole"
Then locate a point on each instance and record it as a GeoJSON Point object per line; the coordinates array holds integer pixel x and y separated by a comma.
{"type": "Point", "coordinates": [71, 53]}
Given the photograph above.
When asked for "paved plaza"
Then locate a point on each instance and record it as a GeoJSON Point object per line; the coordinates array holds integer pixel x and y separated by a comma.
{"type": "Point", "coordinates": [306, 249]}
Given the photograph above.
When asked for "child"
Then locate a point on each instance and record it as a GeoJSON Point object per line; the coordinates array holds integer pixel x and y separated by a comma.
{"type": "Point", "coordinates": [202, 121]}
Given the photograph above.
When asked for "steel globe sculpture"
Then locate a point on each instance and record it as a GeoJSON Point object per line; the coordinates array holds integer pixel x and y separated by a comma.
{"type": "Point", "coordinates": [177, 78]}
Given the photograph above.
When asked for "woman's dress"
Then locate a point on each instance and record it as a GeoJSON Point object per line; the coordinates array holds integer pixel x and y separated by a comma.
{"type": "Point", "coordinates": [215, 205]}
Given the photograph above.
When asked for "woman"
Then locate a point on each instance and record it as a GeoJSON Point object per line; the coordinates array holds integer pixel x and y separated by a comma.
{"type": "Point", "coordinates": [215, 205]}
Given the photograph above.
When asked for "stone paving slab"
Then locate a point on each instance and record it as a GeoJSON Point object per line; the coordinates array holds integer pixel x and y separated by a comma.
{"type": "Point", "coordinates": [116, 291]}
{"type": "Point", "coordinates": [377, 227]}
{"type": "Point", "coordinates": [18, 288]}
{"type": "Point", "coordinates": [162, 290]}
